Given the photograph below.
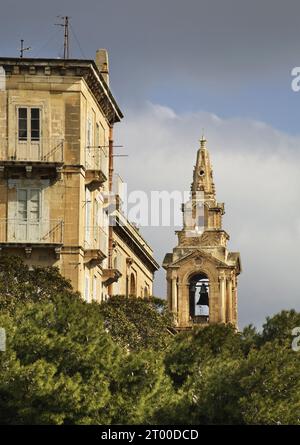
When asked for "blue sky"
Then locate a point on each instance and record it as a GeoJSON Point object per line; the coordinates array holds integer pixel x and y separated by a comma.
{"type": "Point", "coordinates": [231, 57]}
{"type": "Point", "coordinates": [176, 67]}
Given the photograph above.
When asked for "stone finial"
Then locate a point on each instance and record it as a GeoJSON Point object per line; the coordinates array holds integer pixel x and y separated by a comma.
{"type": "Point", "coordinates": [202, 142]}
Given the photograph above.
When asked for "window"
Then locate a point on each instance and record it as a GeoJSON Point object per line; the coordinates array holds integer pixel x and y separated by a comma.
{"type": "Point", "coordinates": [89, 133]}
{"type": "Point", "coordinates": [28, 207]}
{"type": "Point", "coordinates": [97, 147]}
{"type": "Point", "coordinates": [29, 124]}
{"type": "Point", "coordinates": [22, 205]}
{"type": "Point", "coordinates": [97, 135]}
{"type": "Point", "coordinates": [88, 204]}
{"type": "Point", "coordinates": [95, 288]}
{"type": "Point", "coordinates": [96, 212]}
{"type": "Point", "coordinates": [35, 124]}
{"type": "Point", "coordinates": [132, 286]}
{"type": "Point", "coordinates": [105, 225]}
{"type": "Point", "coordinates": [87, 288]}
{"type": "Point", "coordinates": [34, 211]}
{"type": "Point", "coordinates": [27, 222]}
{"type": "Point", "coordinates": [23, 124]}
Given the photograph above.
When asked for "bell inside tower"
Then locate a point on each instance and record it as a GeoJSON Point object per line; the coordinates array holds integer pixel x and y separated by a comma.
{"type": "Point", "coordinates": [199, 298]}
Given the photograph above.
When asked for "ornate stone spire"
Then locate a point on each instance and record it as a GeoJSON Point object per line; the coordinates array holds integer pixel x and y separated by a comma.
{"type": "Point", "coordinates": [201, 265]}
{"type": "Point", "coordinates": [203, 174]}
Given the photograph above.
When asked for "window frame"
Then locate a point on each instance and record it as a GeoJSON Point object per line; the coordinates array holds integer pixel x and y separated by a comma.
{"type": "Point", "coordinates": [28, 127]}
{"type": "Point", "coordinates": [28, 191]}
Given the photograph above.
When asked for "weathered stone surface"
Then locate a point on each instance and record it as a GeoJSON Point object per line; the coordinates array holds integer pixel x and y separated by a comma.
{"type": "Point", "coordinates": [202, 251]}
{"type": "Point", "coordinates": [51, 191]}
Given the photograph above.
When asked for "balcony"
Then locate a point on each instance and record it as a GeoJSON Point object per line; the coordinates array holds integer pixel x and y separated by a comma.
{"type": "Point", "coordinates": [96, 166]}
{"type": "Point", "coordinates": [95, 245]}
{"type": "Point", "coordinates": [200, 319]}
{"type": "Point", "coordinates": [110, 276]}
{"type": "Point", "coordinates": [44, 155]}
{"type": "Point", "coordinates": [27, 234]}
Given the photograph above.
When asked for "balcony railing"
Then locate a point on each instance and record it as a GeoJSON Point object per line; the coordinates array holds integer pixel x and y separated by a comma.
{"type": "Point", "coordinates": [45, 150]}
{"type": "Point", "coordinates": [96, 239]}
{"type": "Point", "coordinates": [96, 158]}
{"type": "Point", "coordinates": [42, 231]}
{"type": "Point", "coordinates": [200, 319]}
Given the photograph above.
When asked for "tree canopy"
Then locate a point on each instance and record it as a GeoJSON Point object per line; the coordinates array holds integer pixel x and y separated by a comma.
{"type": "Point", "coordinates": [69, 362]}
{"type": "Point", "coordinates": [136, 323]}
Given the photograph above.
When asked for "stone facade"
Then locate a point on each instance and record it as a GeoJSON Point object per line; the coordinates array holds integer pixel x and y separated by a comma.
{"type": "Point", "coordinates": [133, 257]}
{"type": "Point", "coordinates": [56, 168]}
{"type": "Point", "coordinates": [200, 268]}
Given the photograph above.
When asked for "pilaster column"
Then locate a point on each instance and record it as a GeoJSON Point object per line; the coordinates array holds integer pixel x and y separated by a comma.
{"type": "Point", "coordinates": [174, 295]}
{"type": "Point", "coordinates": [229, 301]}
{"type": "Point", "coordinates": [183, 304]}
{"type": "Point", "coordinates": [222, 298]}
{"type": "Point", "coordinates": [235, 305]}
{"type": "Point", "coordinates": [169, 293]}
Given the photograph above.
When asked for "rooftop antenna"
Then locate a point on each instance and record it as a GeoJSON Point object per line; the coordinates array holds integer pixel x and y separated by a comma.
{"type": "Point", "coordinates": [65, 25]}
{"type": "Point", "coordinates": [22, 49]}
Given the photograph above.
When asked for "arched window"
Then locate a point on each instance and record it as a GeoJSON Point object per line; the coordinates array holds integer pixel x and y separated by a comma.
{"type": "Point", "coordinates": [132, 286]}
{"type": "Point", "coordinates": [199, 298]}
{"type": "Point", "coordinates": [127, 286]}
{"type": "Point", "coordinates": [116, 285]}
{"type": "Point", "coordinates": [146, 293]}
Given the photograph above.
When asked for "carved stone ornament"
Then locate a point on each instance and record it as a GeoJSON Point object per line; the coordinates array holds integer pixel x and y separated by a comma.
{"type": "Point", "coordinates": [210, 239]}
{"type": "Point", "coordinates": [198, 260]}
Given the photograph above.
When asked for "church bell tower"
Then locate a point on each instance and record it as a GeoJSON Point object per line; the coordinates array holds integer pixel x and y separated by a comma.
{"type": "Point", "coordinates": [201, 273]}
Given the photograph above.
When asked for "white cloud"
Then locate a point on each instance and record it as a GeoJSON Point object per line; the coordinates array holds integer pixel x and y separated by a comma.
{"type": "Point", "coordinates": [256, 171]}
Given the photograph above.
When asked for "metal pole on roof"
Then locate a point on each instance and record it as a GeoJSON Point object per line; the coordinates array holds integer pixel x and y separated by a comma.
{"type": "Point", "coordinates": [65, 25]}
{"type": "Point", "coordinates": [22, 49]}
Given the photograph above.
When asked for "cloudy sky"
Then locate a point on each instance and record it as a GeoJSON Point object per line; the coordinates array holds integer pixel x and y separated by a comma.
{"type": "Point", "coordinates": [177, 67]}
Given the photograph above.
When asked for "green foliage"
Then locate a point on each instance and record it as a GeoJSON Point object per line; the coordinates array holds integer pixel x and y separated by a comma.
{"type": "Point", "coordinates": [19, 284]}
{"type": "Point", "coordinates": [270, 382]}
{"type": "Point", "coordinates": [141, 389]}
{"type": "Point", "coordinates": [136, 323]}
{"type": "Point", "coordinates": [223, 377]}
{"type": "Point", "coordinates": [249, 338]}
{"type": "Point", "coordinates": [203, 366]}
{"type": "Point", "coordinates": [189, 349]}
{"type": "Point", "coordinates": [68, 362]}
{"type": "Point", "coordinates": [61, 365]}
{"type": "Point", "coordinates": [279, 327]}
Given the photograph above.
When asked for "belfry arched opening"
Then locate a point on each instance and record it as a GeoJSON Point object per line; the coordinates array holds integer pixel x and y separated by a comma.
{"type": "Point", "coordinates": [199, 298]}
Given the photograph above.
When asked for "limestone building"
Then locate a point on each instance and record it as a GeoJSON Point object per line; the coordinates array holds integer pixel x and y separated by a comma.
{"type": "Point", "coordinates": [56, 171]}
{"type": "Point", "coordinates": [133, 258]}
{"type": "Point", "coordinates": [201, 273]}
